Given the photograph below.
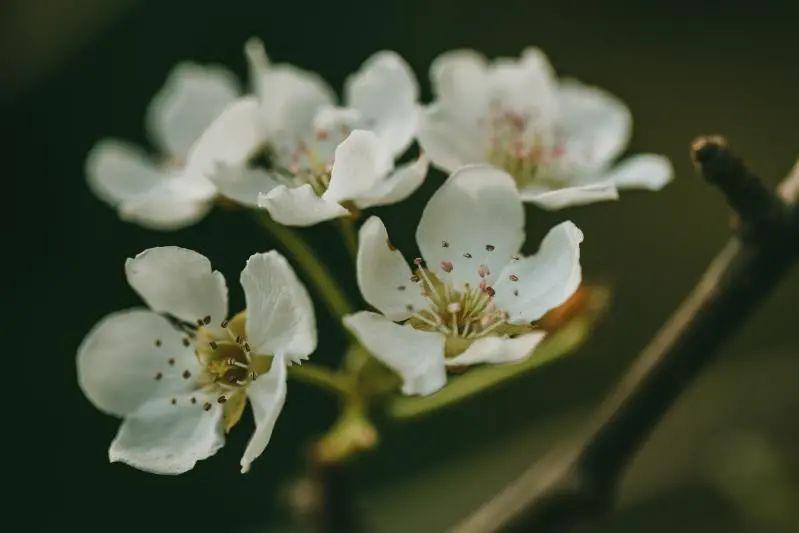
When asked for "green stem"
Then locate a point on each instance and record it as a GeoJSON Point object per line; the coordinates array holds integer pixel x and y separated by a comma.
{"type": "Point", "coordinates": [315, 270]}
{"type": "Point", "coordinates": [349, 235]}
{"type": "Point", "coordinates": [322, 377]}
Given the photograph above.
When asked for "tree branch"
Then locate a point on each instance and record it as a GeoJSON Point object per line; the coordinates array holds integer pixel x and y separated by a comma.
{"type": "Point", "coordinates": [569, 488]}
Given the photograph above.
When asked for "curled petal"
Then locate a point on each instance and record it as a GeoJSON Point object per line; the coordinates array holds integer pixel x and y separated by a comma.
{"type": "Point", "coordinates": [267, 396]}
{"type": "Point", "coordinates": [495, 350]}
{"type": "Point", "coordinates": [299, 206]}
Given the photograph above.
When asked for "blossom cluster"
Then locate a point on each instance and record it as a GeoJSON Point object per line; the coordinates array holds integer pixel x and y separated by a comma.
{"type": "Point", "coordinates": [508, 132]}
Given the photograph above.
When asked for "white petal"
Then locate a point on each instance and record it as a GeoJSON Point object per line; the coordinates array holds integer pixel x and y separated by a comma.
{"type": "Point", "coordinates": [124, 361]}
{"type": "Point", "coordinates": [175, 203]}
{"type": "Point", "coordinates": [460, 83]}
{"type": "Point", "coordinates": [526, 86]}
{"type": "Point", "coordinates": [231, 139]}
{"type": "Point", "coordinates": [570, 196]}
{"type": "Point", "coordinates": [361, 161]}
{"type": "Point", "coordinates": [166, 438]}
{"type": "Point", "coordinates": [592, 123]}
{"type": "Point", "coordinates": [192, 97]}
{"type": "Point", "coordinates": [299, 206]}
{"type": "Point", "coordinates": [280, 315]}
{"type": "Point", "coordinates": [451, 141]}
{"type": "Point", "coordinates": [498, 349]}
{"type": "Point", "coordinates": [179, 282]}
{"type": "Point", "coordinates": [400, 184]}
{"type": "Point", "coordinates": [384, 275]}
{"type": "Point", "coordinates": [385, 91]}
{"type": "Point", "coordinates": [242, 183]}
{"type": "Point", "coordinates": [533, 285]}
{"type": "Point", "coordinates": [289, 96]}
{"type": "Point", "coordinates": [475, 218]}
{"type": "Point", "coordinates": [417, 356]}
{"type": "Point", "coordinates": [643, 171]}
{"type": "Point", "coordinates": [267, 395]}
{"type": "Point", "coordinates": [117, 171]}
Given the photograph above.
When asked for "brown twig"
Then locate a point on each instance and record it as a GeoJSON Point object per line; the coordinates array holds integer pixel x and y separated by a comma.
{"type": "Point", "coordinates": [569, 488]}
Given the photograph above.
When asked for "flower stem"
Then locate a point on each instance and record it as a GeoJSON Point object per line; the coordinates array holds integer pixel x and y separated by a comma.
{"type": "Point", "coordinates": [315, 270]}
{"type": "Point", "coordinates": [321, 377]}
{"type": "Point", "coordinates": [346, 226]}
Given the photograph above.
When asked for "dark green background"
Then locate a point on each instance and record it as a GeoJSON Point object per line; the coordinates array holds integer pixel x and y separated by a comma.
{"type": "Point", "coordinates": [725, 460]}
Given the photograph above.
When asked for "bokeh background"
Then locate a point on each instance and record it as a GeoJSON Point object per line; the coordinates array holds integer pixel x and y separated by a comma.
{"type": "Point", "coordinates": [725, 459]}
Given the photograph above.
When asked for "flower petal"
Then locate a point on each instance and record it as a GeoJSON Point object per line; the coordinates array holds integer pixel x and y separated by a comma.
{"type": "Point", "coordinates": [192, 97]}
{"type": "Point", "coordinates": [289, 97]}
{"type": "Point", "coordinates": [450, 141]}
{"type": "Point", "coordinates": [280, 315]}
{"type": "Point", "coordinates": [242, 183]}
{"type": "Point", "coordinates": [533, 285]}
{"type": "Point", "coordinates": [179, 282]}
{"type": "Point", "coordinates": [592, 123]}
{"type": "Point", "coordinates": [460, 83]}
{"type": "Point", "coordinates": [417, 356]}
{"type": "Point", "coordinates": [267, 395]}
{"type": "Point", "coordinates": [643, 171]}
{"type": "Point", "coordinates": [231, 139]}
{"type": "Point", "coordinates": [117, 171]}
{"type": "Point", "coordinates": [175, 203]}
{"type": "Point", "coordinates": [397, 186]}
{"type": "Point", "coordinates": [526, 86]}
{"type": "Point", "coordinates": [384, 275]}
{"type": "Point", "coordinates": [299, 206]}
{"type": "Point", "coordinates": [385, 91]}
{"type": "Point", "coordinates": [498, 349]}
{"type": "Point", "coordinates": [474, 222]}
{"type": "Point", "coordinates": [570, 196]}
{"type": "Point", "coordinates": [361, 161]}
{"type": "Point", "coordinates": [133, 356]}
{"type": "Point", "coordinates": [163, 437]}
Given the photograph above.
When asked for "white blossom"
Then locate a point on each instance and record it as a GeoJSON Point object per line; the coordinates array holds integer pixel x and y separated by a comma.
{"type": "Point", "coordinates": [321, 158]}
{"type": "Point", "coordinates": [159, 191]}
{"type": "Point", "coordinates": [473, 298]}
{"type": "Point", "coordinates": [180, 372]}
{"type": "Point", "coordinates": [557, 137]}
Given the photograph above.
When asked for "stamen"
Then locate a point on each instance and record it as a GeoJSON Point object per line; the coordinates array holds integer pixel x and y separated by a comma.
{"type": "Point", "coordinates": [224, 323]}
{"type": "Point", "coordinates": [513, 277]}
{"type": "Point", "coordinates": [222, 399]}
{"type": "Point", "coordinates": [174, 401]}
{"type": "Point", "coordinates": [186, 374]}
{"type": "Point", "coordinates": [489, 247]}
{"type": "Point", "coordinates": [401, 288]}
{"type": "Point", "coordinates": [171, 361]}
{"type": "Point", "coordinates": [207, 406]}
{"type": "Point", "coordinates": [207, 320]}
{"type": "Point", "coordinates": [193, 400]}
{"type": "Point", "coordinates": [158, 343]}
{"type": "Point", "coordinates": [444, 244]}
{"type": "Point", "coordinates": [186, 342]}
{"type": "Point", "coordinates": [483, 271]}
{"type": "Point", "coordinates": [158, 376]}
{"type": "Point", "coordinates": [213, 345]}
{"type": "Point", "coordinates": [446, 266]}
{"type": "Point", "coordinates": [467, 255]}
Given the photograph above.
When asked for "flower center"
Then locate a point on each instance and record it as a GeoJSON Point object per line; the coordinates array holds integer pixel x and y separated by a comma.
{"type": "Point", "coordinates": [467, 313]}
{"type": "Point", "coordinates": [227, 358]}
{"type": "Point", "coordinates": [520, 146]}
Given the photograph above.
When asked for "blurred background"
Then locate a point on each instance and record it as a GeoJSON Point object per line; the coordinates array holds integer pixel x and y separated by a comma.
{"type": "Point", "coordinates": [725, 459]}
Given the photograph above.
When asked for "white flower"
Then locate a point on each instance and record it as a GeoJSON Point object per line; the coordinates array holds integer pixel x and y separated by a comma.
{"type": "Point", "coordinates": [320, 157]}
{"type": "Point", "coordinates": [474, 298]}
{"type": "Point", "coordinates": [557, 138]}
{"type": "Point", "coordinates": [180, 373]}
{"type": "Point", "coordinates": [159, 192]}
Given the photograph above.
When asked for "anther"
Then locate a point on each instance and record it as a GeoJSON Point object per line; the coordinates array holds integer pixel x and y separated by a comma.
{"type": "Point", "coordinates": [253, 376]}
{"type": "Point", "coordinates": [174, 401]}
{"type": "Point", "coordinates": [489, 247]}
{"type": "Point", "coordinates": [401, 288]}
{"type": "Point", "coordinates": [200, 322]}
{"type": "Point", "coordinates": [213, 345]}
{"type": "Point", "coordinates": [415, 279]}
{"type": "Point", "coordinates": [418, 262]}
{"type": "Point", "coordinates": [224, 323]}
{"type": "Point", "coordinates": [246, 347]}
{"type": "Point", "coordinates": [186, 342]}
{"type": "Point", "coordinates": [158, 342]}
{"type": "Point", "coordinates": [207, 406]}
{"type": "Point", "coordinates": [490, 291]}
{"type": "Point", "coordinates": [207, 320]}
{"type": "Point", "coordinates": [238, 339]}
{"type": "Point", "coordinates": [222, 399]}
{"type": "Point", "coordinates": [444, 244]}
{"type": "Point", "coordinates": [467, 255]}
{"type": "Point", "coordinates": [516, 292]}
{"type": "Point", "coordinates": [409, 307]}
{"type": "Point", "coordinates": [193, 399]}
{"type": "Point", "coordinates": [446, 266]}
{"type": "Point", "coordinates": [515, 257]}
{"type": "Point", "coordinates": [158, 376]}
{"type": "Point", "coordinates": [186, 374]}
{"type": "Point", "coordinates": [171, 361]}
{"type": "Point", "coordinates": [483, 271]}
{"type": "Point", "coordinates": [513, 277]}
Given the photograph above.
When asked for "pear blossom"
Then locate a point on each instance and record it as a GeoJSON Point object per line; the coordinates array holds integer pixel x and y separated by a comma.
{"type": "Point", "coordinates": [322, 159]}
{"type": "Point", "coordinates": [558, 138]}
{"type": "Point", "coordinates": [181, 372]}
{"type": "Point", "coordinates": [159, 192]}
{"type": "Point", "coordinates": [473, 298]}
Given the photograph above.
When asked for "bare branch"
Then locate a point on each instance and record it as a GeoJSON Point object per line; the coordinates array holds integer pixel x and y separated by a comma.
{"type": "Point", "coordinates": [566, 489]}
